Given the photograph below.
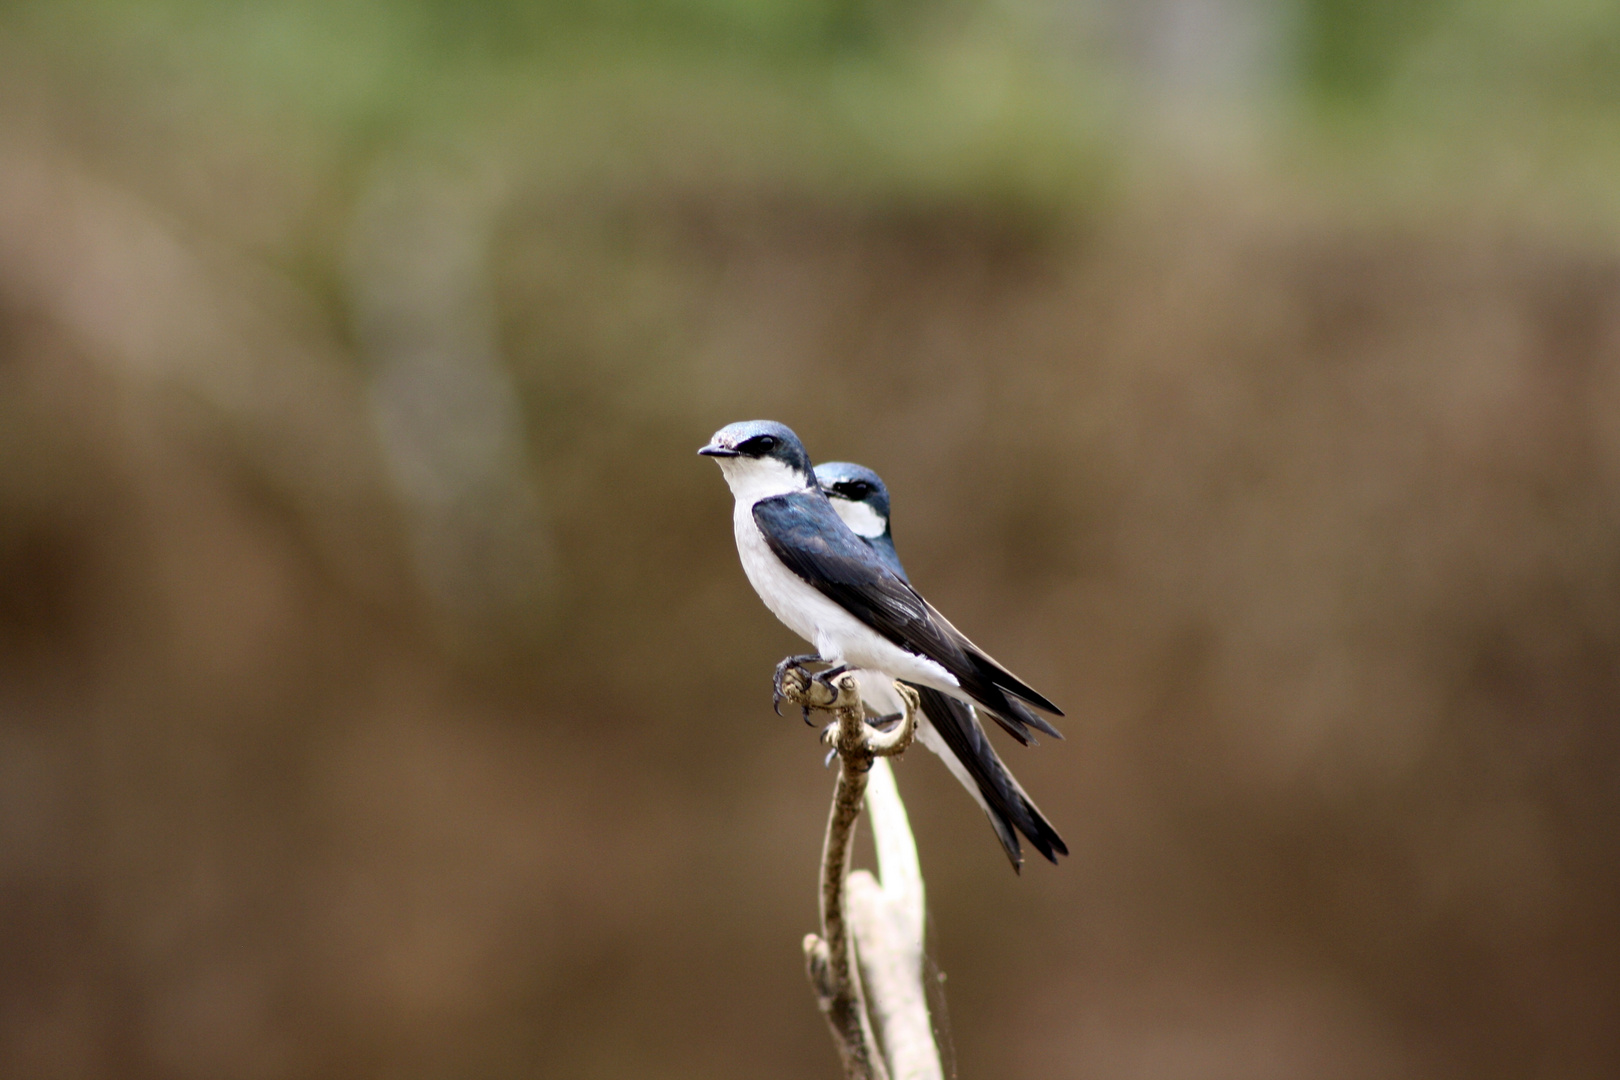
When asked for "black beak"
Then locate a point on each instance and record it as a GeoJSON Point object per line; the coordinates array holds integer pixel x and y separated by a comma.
{"type": "Point", "coordinates": [716, 450]}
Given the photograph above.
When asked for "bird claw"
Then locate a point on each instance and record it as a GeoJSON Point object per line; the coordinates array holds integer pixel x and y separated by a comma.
{"type": "Point", "coordinates": [810, 691]}
{"type": "Point", "coordinates": [825, 678]}
{"type": "Point", "coordinates": [791, 668]}
{"type": "Point", "coordinates": [885, 723]}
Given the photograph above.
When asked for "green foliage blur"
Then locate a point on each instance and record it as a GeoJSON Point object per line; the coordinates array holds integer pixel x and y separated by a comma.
{"type": "Point", "coordinates": [1031, 102]}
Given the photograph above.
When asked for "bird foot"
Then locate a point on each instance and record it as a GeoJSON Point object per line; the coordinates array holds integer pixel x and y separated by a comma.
{"type": "Point", "coordinates": [825, 678]}
{"type": "Point", "coordinates": [822, 690]}
{"type": "Point", "coordinates": [885, 723]}
{"type": "Point", "coordinates": [871, 736]}
{"type": "Point", "coordinates": [792, 680]}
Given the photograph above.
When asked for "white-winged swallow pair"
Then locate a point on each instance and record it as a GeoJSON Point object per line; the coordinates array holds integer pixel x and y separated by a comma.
{"type": "Point", "coordinates": [817, 546]}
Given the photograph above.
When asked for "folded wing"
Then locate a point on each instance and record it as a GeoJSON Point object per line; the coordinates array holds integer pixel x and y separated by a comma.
{"type": "Point", "coordinates": [805, 532]}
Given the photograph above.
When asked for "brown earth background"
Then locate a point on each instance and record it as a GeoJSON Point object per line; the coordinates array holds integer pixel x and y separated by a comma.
{"type": "Point", "coordinates": [380, 695]}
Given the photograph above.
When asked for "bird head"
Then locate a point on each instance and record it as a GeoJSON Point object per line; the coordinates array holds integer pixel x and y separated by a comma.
{"type": "Point", "coordinates": [760, 458]}
{"type": "Point", "coordinates": [858, 494]}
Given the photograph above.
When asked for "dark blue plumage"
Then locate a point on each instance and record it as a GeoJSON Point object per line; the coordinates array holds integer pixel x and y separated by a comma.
{"type": "Point", "coordinates": [836, 581]}
{"type": "Point", "coordinates": [1004, 801]}
{"type": "Point", "coordinates": [860, 486]}
{"type": "Point", "coordinates": [807, 535]}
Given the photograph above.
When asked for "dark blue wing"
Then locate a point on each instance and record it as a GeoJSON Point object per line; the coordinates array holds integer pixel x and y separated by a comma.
{"type": "Point", "coordinates": [1009, 806]}
{"type": "Point", "coordinates": [805, 532]}
{"type": "Point", "coordinates": [885, 551]}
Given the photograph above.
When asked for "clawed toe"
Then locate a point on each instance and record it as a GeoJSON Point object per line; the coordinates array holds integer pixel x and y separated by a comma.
{"type": "Point", "coordinates": [825, 678]}
{"type": "Point", "coordinates": [886, 723]}
{"type": "Point", "coordinates": [796, 661]}
{"type": "Point", "coordinates": [790, 665]}
{"type": "Point", "coordinates": [794, 682]}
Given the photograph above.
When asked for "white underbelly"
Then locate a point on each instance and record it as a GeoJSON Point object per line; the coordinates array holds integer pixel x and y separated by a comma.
{"type": "Point", "coordinates": [784, 592]}
{"type": "Point", "coordinates": [878, 693]}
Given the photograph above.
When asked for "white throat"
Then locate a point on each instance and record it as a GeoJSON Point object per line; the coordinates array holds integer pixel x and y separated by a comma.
{"type": "Point", "coordinates": [753, 479]}
{"type": "Point", "coordinates": [860, 517]}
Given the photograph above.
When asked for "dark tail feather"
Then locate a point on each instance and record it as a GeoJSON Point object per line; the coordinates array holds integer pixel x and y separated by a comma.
{"type": "Point", "coordinates": [1009, 683]}
{"type": "Point", "coordinates": [1008, 838]}
{"type": "Point", "coordinates": [986, 684]}
{"type": "Point", "coordinates": [1016, 718]}
{"type": "Point", "coordinates": [1011, 725]}
{"type": "Point", "coordinates": [1045, 838]}
{"type": "Point", "coordinates": [1009, 807]}
{"type": "Point", "coordinates": [1024, 715]}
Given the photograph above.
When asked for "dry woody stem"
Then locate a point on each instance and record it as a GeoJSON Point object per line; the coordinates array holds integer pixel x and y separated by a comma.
{"type": "Point", "coordinates": [866, 964]}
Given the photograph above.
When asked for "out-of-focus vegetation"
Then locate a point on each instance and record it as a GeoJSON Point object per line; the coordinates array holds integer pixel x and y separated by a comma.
{"type": "Point", "coordinates": [1246, 374]}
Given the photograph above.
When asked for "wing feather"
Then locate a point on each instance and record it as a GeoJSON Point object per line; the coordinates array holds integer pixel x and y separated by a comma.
{"type": "Point", "coordinates": [1008, 806]}
{"type": "Point", "coordinates": [804, 531]}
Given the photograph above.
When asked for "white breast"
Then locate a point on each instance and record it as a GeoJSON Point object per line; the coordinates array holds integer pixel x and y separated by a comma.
{"type": "Point", "coordinates": [753, 479]}
{"type": "Point", "coordinates": [861, 518]}
{"type": "Point", "coordinates": [784, 592]}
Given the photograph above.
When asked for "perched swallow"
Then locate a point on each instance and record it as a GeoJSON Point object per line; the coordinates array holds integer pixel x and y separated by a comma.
{"type": "Point", "coordinates": [836, 591]}
{"type": "Point", "coordinates": [948, 727]}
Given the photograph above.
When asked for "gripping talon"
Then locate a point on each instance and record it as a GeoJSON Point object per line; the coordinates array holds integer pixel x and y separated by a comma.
{"type": "Point", "coordinates": [825, 678]}
{"type": "Point", "coordinates": [793, 662]}
{"type": "Point", "coordinates": [788, 664]}
{"type": "Point", "coordinates": [885, 723]}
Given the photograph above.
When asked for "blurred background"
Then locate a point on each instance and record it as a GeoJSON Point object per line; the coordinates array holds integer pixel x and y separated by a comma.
{"type": "Point", "coordinates": [380, 695]}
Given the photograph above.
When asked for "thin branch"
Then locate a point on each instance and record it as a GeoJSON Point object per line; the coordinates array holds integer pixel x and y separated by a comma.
{"type": "Point", "coordinates": [888, 922]}
{"type": "Point", "coordinates": [885, 929]}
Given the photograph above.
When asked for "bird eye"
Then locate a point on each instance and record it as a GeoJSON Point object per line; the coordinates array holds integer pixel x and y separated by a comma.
{"type": "Point", "coordinates": [758, 445]}
{"type": "Point", "coordinates": [860, 489]}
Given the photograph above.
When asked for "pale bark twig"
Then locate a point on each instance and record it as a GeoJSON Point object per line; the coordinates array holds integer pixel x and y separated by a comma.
{"type": "Point", "coordinates": [882, 925]}
{"type": "Point", "coordinates": [888, 922]}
